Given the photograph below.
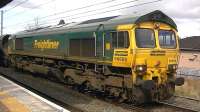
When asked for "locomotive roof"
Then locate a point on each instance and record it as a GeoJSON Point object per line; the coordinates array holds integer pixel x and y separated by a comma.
{"type": "Point", "coordinates": [92, 25]}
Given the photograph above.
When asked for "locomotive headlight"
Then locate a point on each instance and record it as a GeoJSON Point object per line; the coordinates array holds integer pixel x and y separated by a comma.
{"type": "Point", "coordinates": [141, 68]}
{"type": "Point", "coordinates": [172, 67]}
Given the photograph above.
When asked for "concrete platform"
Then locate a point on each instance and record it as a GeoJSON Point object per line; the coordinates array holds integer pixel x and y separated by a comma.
{"type": "Point", "coordinates": [14, 98]}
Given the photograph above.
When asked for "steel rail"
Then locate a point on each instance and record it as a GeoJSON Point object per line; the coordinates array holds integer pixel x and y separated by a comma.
{"type": "Point", "coordinates": [189, 98]}
{"type": "Point", "coordinates": [188, 75]}
{"type": "Point", "coordinates": [179, 107]}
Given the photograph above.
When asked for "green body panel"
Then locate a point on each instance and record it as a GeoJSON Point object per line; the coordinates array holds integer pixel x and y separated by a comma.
{"type": "Point", "coordinates": [63, 48]}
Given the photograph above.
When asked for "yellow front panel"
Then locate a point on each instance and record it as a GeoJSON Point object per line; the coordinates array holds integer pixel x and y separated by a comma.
{"type": "Point", "coordinates": [156, 59]}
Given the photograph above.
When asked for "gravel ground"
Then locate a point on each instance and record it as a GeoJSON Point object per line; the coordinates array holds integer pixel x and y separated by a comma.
{"type": "Point", "coordinates": [190, 88]}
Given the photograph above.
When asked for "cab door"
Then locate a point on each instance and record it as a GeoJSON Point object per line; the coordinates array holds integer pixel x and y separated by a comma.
{"type": "Point", "coordinates": [122, 45]}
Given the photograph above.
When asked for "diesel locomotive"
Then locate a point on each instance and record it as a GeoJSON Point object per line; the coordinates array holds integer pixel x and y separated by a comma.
{"type": "Point", "coordinates": [133, 58]}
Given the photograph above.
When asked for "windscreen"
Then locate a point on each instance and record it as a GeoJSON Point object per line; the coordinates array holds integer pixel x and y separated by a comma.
{"type": "Point", "coordinates": [167, 39]}
{"type": "Point", "coordinates": [145, 38]}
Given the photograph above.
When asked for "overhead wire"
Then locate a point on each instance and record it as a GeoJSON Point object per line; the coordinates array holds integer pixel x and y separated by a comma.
{"type": "Point", "coordinates": [122, 8]}
{"type": "Point", "coordinates": [145, 3]}
{"type": "Point", "coordinates": [24, 11]}
{"type": "Point", "coordinates": [71, 10]}
{"type": "Point", "coordinates": [116, 9]}
{"type": "Point", "coordinates": [98, 9]}
{"type": "Point", "coordinates": [89, 10]}
{"type": "Point", "coordinates": [17, 5]}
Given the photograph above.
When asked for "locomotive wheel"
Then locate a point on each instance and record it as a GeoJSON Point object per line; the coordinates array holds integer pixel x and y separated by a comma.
{"type": "Point", "coordinates": [57, 74]}
{"type": "Point", "coordinates": [85, 87]}
{"type": "Point", "coordinates": [170, 89]}
{"type": "Point", "coordinates": [69, 81]}
{"type": "Point", "coordinates": [137, 96]}
{"type": "Point", "coordinates": [88, 86]}
{"type": "Point", "coordinates": [5, 63]}
{"type": "Point", "coordinates": [122, 97]}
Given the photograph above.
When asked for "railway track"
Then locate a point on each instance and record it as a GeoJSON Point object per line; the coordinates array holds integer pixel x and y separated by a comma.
{"type": "Point", "coordinates": [178, 107]}
{"type": "Point", "coordinates": [193, 76]}
{"type": "Point", "coordinates": [86, 103]}
{"type": "Point", "coordinates": [189, 98]}
{"type": "Point", "coordinates": [183, 102]}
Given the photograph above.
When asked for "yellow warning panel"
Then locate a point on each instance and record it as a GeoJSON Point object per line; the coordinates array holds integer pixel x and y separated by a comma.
{"type": "Point", "coordinates": [107, 46]}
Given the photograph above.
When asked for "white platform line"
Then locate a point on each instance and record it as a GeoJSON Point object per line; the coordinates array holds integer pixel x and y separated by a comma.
{"type": "Point", "coordinates": [37, 96]}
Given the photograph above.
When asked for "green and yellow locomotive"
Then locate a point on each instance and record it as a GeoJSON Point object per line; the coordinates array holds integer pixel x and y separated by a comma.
{"type": "Point", "coordinates": [132, 58]}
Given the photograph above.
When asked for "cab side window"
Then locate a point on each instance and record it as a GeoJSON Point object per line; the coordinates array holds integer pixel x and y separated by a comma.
{"type": "Point", "coordinates": [120, 39]}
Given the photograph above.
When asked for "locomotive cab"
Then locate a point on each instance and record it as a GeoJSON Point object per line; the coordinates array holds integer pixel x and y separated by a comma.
{"type": "Point", "coordinates": [157, 51]}
{"type": "Point", "coordinates": [153, 56]}
{"type": "Point", "coordinates": [157, 55]}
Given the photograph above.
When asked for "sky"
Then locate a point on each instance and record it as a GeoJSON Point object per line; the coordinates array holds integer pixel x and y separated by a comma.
{"type": "Point", "coordinates": [25, 14]}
